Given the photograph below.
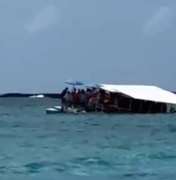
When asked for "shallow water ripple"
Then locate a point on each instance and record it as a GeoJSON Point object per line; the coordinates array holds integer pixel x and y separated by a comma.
{"type": "Point", "coordinates": [37, 146]}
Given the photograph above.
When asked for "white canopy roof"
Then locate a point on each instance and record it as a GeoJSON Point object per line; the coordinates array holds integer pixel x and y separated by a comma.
{"type": "Point", "coordinates": [142, 92]}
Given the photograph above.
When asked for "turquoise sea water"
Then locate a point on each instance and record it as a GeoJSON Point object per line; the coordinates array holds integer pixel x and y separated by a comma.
{"type": "Point", "coordinates": [37, 146]}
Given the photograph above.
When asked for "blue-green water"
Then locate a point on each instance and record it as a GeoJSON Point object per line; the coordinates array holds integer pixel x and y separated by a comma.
{"type": "Point", "coordinates": [37, 146]}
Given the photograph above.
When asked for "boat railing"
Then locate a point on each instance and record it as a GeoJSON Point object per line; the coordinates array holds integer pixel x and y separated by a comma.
{"type": "Point", "coordinates": [101, 107]}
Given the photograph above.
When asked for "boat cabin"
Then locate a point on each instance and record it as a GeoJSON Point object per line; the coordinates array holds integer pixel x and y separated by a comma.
{"type": "Point", "coordinates": [142, 98]}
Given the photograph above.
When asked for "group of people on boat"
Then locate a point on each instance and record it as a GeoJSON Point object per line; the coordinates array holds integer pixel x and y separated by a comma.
{"type": "Point", "coordinates": [95, 99]}
{"type": "Point", "coordinates": [88, 100]}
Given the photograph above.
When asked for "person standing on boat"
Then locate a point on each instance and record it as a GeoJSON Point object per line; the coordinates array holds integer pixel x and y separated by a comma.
{"type": "Point", "coordinates": [82, 99]}
{"type": "Point", "coordinates": [93, 101]}
{"type": "Point", "coordinates": [68, 100]}
{"type": "Point", "coordinates": [64, 92]}
{"type": "Point", "coordinates": [76, 98]}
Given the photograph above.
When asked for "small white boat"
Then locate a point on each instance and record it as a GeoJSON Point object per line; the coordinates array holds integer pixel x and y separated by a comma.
{"type": "Point", "coordinates": [58, 109]}
{"type": "Point", "coordinates": [37, 96]}
{"type": "Point", "coordinates": [54, 110]}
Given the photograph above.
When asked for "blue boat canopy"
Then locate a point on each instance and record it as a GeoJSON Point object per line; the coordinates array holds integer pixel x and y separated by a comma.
{"type": "Point", "coordinates": [74, 83]}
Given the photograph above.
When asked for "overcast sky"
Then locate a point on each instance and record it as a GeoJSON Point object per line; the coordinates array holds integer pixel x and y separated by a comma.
{"type": "Point", "coordinates": [45, 42]}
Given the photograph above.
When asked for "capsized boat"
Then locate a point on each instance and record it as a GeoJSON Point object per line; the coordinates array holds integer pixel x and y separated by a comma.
{"type": "Point", "coordinates": [129, 99]}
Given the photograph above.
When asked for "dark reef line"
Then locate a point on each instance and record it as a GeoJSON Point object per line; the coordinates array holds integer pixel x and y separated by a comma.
{"type": "Point", "coordinates": [27, 95]}
{"type": "Point", "coordinates": [22, 95]}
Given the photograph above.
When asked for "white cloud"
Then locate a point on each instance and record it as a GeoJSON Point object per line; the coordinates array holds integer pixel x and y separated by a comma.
{"type": "Point", "coordinates": [43, 19]}
{"type": "Point", "coordinates": [159, 22]}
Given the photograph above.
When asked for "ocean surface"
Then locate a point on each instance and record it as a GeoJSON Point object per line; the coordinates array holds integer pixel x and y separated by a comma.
{"type": "Point", "coordinates": [36, 146]}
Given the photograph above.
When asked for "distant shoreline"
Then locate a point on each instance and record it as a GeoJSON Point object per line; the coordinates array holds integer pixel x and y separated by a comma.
{"type": "Point", "coordinates": [28, 95]}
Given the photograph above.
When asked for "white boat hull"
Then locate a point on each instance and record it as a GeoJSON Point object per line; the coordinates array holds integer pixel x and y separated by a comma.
{"type": "Point", "coordinates": [54, 110]}
{"type": "Point", "coordinates": [37, 96]}
{"type": "Point", "coordinates": [58, 109]}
